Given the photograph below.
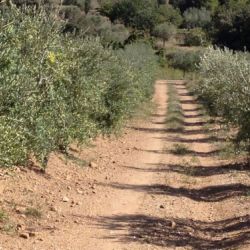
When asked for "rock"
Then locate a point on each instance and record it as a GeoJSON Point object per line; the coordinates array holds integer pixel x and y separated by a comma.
{"type": "Point", "coordinates": [24, 235]}
{"type": "Point", "coordinates": [53, 209]}
{"type": "Point", "coordinates": [78, 203]}
{"type": "Point", "coordinates": [173, 225]}
{"type": "Point", "coordinates": [20, 227]}
{"type": "Point", "coordinates": [65, 199]}
{"type": "Point", "coordinates": [68, 187]}
{"type": "Point", "coordinates": [93, 164]}
{"type": "Point", "coordinates": [161, 206]}
{"type": "Point", "coordinates": [79, 191]}
{"type": "Point", "coordinates": [20, 210]}
{"type": "Point", "coordinates": [32, 234]}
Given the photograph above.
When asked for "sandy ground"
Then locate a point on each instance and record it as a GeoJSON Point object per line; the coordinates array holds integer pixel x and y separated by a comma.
{"type": "Point", "coordinates": [135, 195]}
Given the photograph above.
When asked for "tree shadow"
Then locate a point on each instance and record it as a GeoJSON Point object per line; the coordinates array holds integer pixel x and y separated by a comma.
{"type": "Point", "coordinates": [195, 171]}
{"type": "Point", "coordinates": [203, 171]}
{"type": "Point", "coordinates": [186, 152]}
{"type": "Point", "coordinates": [193, 116]}
{"type": "Point", "coordinates": [176, 232]}
{"type": "Point", "coordinates": [185, 94]}
{"type": "Point", "coordinates": [192, 124]}
{"type": "Point", "coordinates": [210, 139]}
{"type": "Point", "coordinates": [173, 130]}
{"type": "Point", "coordinates": [188, 101]}
{"type": "Point", "coordinates": [207, 194]}
{"type": "Point", "coordinates": [191, 109]}
{"type": "Point", "coordinates": [149, 130]}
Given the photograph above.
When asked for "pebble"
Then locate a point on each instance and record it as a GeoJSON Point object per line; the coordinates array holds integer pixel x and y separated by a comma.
{"type": "Point", "coordinates": [79, 191]}
{"type": "Point", "coordinates": [173, 225]}
{"type": "Point", "coordinates": [24, 235]}
{"type": "Point", "coordinates": [161, 206]}
{"type": "Point", "coordinates": [65, 199]}
{"type": "Point", "coordinates": [20, 210]}
{"type": "Point", "coordinates": [32, 234]}
{"type": "Point", "coordinates": [93, 164]}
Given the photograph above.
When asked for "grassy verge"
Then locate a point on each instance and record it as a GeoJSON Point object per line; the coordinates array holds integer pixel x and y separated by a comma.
{"type": "Point", "coordinates": [175, 117]}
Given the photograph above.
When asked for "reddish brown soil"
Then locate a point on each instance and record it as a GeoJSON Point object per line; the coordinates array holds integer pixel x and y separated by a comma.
{"type": "Point", "coordinates": [136, 195]}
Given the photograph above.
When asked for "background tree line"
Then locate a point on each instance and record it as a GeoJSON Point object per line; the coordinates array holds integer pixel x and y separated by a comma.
{"type": "Point", "coordinates": [222, 22]}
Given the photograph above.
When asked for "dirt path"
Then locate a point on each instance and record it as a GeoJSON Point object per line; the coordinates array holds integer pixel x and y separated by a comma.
{"type": "Point", "coordinates": [138, 194]}
{"type": "Point", "coordinates": [194, 201]}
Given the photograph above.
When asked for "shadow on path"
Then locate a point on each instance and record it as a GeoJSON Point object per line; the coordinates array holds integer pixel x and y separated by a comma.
{"type": "Point", "coordinates": [186, 153]}
{"type": "Point", "coordinates": [196, 171]}
{"type": "Point", "coordinates": [206, 194]}
{"type": "Point", "coordinates": [175, 232]}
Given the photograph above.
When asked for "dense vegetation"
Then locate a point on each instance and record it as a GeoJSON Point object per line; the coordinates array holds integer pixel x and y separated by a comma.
{"type": "Point", "coordinates": [224, 22]}
{"type": "Point", "coordinates": [225, 87]}
{"type": "Point", "coordinates": [56, 89]}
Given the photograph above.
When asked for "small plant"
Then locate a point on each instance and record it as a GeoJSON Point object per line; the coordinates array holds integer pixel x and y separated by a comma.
{"type": "Point", "coordinates": [3, 215]}
{"type": "Point", "coordinates": [179, 149]}
{"type": "Point", "coordinates": [33, 212]}
{"type": "Point", "coordinates": [6, 225]}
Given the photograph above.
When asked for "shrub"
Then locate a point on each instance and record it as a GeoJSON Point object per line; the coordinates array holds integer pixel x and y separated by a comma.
{"type": "Point", "coordinates": [139, 14]}
{"type": "Point", "coordinates": [196, 37]}
{"type": "Point", "coordinates": [56, 89]}
{"type": "Point", "coordinates": [194, 17]}
{"type": "Point", "coordinates": [186, 61]}
{"type": "Point", "coordinates": [166, 13]}
{"type": "Point", "coordinates": [225, 87]}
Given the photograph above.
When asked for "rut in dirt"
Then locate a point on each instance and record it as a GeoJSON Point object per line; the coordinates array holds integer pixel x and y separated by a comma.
{"type": "Point", "coordinates": [204, 200]}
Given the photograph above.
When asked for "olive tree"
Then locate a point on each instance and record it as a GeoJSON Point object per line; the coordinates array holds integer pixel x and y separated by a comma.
{"type": "Point", "coordinates": [165, 31]}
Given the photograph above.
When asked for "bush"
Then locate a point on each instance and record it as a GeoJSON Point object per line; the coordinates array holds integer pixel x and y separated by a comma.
{"type": "Point", "coordinates": [185, 61]}
{"type": "Point", "coordinates": [196, 37]}
{"type": "Point", "coordinates": [166, 13]}
{"type": "Point", "coordinates": [139, 14]}
{"type": "Point", "coordinates": [56, 89]}
{"type": "Point", "coordinates": [225, 88]}
{"type": "Point", "coordinates": [194, 17]}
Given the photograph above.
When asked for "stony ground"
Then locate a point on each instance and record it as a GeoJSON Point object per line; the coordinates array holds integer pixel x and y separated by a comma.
{"type": "Point", "coordinates": [132, 192]}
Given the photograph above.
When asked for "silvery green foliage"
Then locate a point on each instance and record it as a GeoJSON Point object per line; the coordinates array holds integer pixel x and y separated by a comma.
{"type": "Point", "coordinates": [56, 89]}
{"type": "Point", "coordinates": [194, 17]}
{"type": "Point", "coordinates": [226, 86]}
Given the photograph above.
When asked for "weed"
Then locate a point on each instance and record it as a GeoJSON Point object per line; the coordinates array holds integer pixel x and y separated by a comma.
{"type": "Point", "coordinates": [179, 149]}
{"type": "Point", "coordinates": [6, 225]}
{"type": "Point", "coordinates": [33, 212]}
{"type": "Point", "coordinates": [3, 216]}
